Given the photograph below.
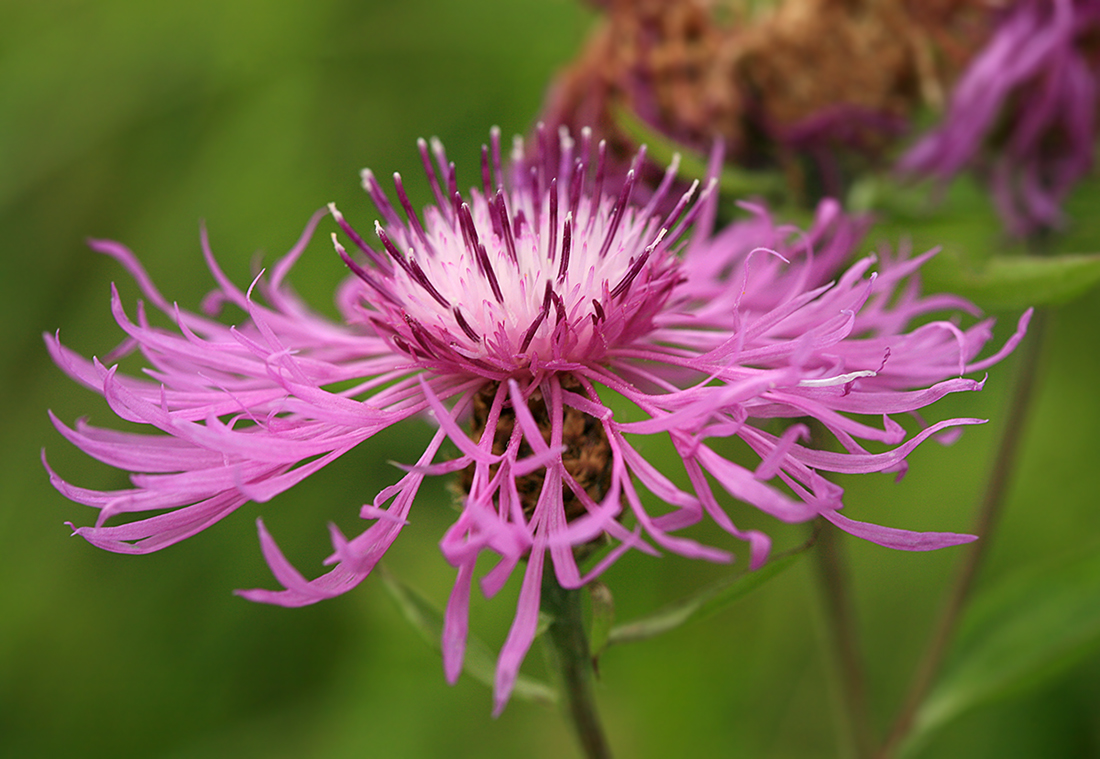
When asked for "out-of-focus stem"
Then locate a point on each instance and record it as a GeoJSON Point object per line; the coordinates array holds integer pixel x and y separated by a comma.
{"type": "Point", "coordinates": [571, 657]}
{"type": "Point", "coordinates": [841, 620]}
{"type": "Point", "coordinates": [985, 523]}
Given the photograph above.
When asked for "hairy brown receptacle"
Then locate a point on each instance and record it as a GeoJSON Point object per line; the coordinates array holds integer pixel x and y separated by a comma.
{"type": "Point", "coordinates": [587, 457]}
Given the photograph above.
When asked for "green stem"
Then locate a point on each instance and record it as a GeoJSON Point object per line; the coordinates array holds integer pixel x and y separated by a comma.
{"type": "Point", "coordinates": [844, 639]}
{"type": "Point", "coordinates": [571, 657]}
{"type": "Point", "coordinates": [984, 524]}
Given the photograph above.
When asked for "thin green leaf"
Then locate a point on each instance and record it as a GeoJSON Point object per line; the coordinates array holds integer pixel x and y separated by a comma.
{"type": "Point", "coordinates": [1017, 636]}
{"type": "Point", "coordinates": [1015, 281]}
{"type": "Point", "coordinates": [978, 261]}
{"type": "Point", "coordinates": [888, 198]}
{"type": "Point", "coordinates": [706, 601]}
{"type": "Point", "coordinates": [603, 616]}
{"type": "Point", "coordinates": [733, 182]}
{"type": "Point", "coordinates": [479, 662]}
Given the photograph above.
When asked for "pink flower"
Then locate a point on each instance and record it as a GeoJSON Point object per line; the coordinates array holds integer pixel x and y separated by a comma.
{"type": "Point", "coordinates": [500, 315]}
{"type": "Point", "coordinates": [1029, 98]}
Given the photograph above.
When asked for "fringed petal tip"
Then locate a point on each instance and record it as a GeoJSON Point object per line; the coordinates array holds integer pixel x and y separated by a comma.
{"type": "Point", "coordinates": [760, 546]}
{"type": "Point", "coordinates": [296, 586]}
{"type": "Point", "coordinates": [901, 540]}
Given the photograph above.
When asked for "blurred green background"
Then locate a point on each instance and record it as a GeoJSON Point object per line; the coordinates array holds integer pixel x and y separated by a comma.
{"type": "Point", "coordinates": [134, 121]}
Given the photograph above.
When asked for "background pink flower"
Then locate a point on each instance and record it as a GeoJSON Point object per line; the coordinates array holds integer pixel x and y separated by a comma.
{"type": "Point", "coordinates": [1024, 112]}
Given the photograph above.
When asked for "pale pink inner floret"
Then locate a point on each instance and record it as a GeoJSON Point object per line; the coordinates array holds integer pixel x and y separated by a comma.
{"type": "Point", "coordinates": [587, 275]}
{"type": "Point", "coordinates": [530, 272]}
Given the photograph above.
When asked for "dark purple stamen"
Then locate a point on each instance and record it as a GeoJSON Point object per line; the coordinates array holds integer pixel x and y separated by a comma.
{"type": "Point", "coordinates": [494, 151]}
{"type": "Point", "coordinates": [661, 191]}
{"type": "Point", "coordinates": [505, 227]}
{"type": "Point", "coordinates": [597, 187]}
{"type": "Point", "coordinates": [403, 345]}
{"type": "Point", "coordinates": [617, 213]}
{"type": "Point", "coordinates": [518, 222]}
{"type": "Point", "coordinates": [543, 312]}
{"type": "Point", "coordinates": [546, 169]}
{"type": "Point", "coordinates": [446, 169]}
{"type": "Point", "coordinates": [566, 241]}
{"type": "Point", "coordinates": [410, 212]}
{"type": "Point", "coordinates": [559, 307]}
{"type": "Point", "coordinates": [363, 274]}
{"type": "Point", "coordinates": [599, 311]}
{"type": "Point", "coordinates": [486, 172]}
{"type": "Point", "coordinates": [466, 224]}
{"type": "Point", "coordinates": [533, 178]}
{"type": "Point", "coordinates": [576, 184]}
{"type": "Point", "coordinates": [382, 327]}
{"type": "Point", "coordinates": [377, 258]}
{"type": "Point", "coordinates": [370, 184]}
{"type": "Point", "coordinates": [433, 180]}
{"type": "Point", "coordinates": [456, 207]}
{"type": "Point", "coordinates": [395, 254]}
{"type": "Point", "coordinates": [552, 242]}
{"type": "Point", "coordinates": [635, 268]}
{"type": "Point", "coordinates": [495, 217]}
{"type": "Point", "coordinates": [681, 204]}
{"type": "Point", "coordinates": [696, 209]}
{"type": "Point", "coordinates": [464, 325]}
{"type": "Point", "coordinates": [490, 275]}
{"type": "Point", "coordinates": [585, 147]}
{"type": "Point", "coordinates": [440, 154]}
{"type": "Point", "coordinates": [452, 179]}
{"type": "Point", "coordinates": [411, 267]}
{"type": "Point", "coordinates": [423, 337]}
{"type": "Point", "coordinates": [530, 334]}
{"type": "Point", "coordinates": [473, 244]}
{"type": "Point", "coordinates": [421, 279]}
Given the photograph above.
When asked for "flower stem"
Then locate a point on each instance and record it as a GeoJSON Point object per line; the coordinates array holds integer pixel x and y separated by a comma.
{"type": "Point", "coordinates": [840, 617]}
{"type": "Point", "coordinates": [569, 654]}
{"type": "Point", "coordinates": [985, 522]}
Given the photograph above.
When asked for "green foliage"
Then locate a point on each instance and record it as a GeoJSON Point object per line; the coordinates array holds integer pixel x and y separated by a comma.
{"type": "Point", "coordinates": [1016, 637]}
{"type": "Point", "coordinates": [1015, 282]}
{"type": "Point", "coordinates": [603, 616]}
{"type": "Point", "coordinates": [977, 260]}
{"type": "Point", "coordinates": [479, 662]}
{"type": "Point", "coordinates": [701, 604]}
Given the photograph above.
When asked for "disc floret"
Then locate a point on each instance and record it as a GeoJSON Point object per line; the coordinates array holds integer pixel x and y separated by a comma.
{"type": "Point", "coordinates": [537, 271]}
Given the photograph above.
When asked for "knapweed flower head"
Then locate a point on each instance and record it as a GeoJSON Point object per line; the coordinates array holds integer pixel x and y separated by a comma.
{"type": "Point", "coordinates": [1024, 112]}
{"type": "Point", "coordinates": [817, 87]}
{"type": "Point", "coordinates": [508, 316]}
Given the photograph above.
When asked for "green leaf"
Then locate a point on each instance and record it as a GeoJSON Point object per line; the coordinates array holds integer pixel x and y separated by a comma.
{"type": "Point", "coordinates": [1017, 636]}
{"type": "Point", "coordinates": [1011, 282]}
{"type": "Point", "coordinates": [708, 600]}
{"type": "Point", "coordinates": [479, 662]}
{"type": "Point", "coordinates": [890, 199]}
{"type": "Point", "coordinates": [733, 182]}
{"type": "Point", "coordinates": [978, 261]}
{"type": "Point", "coordinates": [603, 616]}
